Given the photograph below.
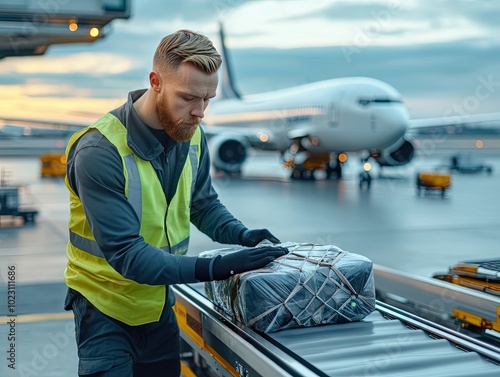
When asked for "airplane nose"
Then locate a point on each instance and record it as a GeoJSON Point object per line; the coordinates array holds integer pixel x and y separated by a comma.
{"type": "Point", "coordinates": [392, 124]}
{"type": "Point", "coordinates": [401, 122]}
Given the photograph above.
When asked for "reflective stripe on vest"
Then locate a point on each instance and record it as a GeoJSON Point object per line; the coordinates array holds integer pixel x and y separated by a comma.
{"type": "Point", "coordinates": [193, 157]}
{"type": "Point", "coordinates": [134, 186]}
{"type": "Point", "coordinates": [91, 246]}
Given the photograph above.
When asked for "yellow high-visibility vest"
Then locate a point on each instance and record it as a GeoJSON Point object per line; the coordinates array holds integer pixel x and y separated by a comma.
{"type": "Point", "coordinates": [87, 270]}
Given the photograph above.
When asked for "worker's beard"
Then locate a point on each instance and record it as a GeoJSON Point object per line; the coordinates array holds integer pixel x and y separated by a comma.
{"type": "Point", "coordinates": [178, 129]}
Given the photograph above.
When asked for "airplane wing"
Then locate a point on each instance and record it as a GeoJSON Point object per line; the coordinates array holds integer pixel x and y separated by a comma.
{"type": "Point", "coordinates": [34, 137]}
{"type": "Point", "coordinates": [40, 123]}
{"type": "Point", "coordinates": [470, 121]}
{"type": "Point", "coordinates": [25, 127]}
{"type": "Point", "coordinates": [24, 137]}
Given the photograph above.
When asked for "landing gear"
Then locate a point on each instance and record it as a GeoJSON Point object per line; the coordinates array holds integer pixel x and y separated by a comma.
{"type": "Point", "coordinates": [365, 178]}
{"type": "Point", "coordinates": [298, 173]}
{"type": "Point", "coordinates": [304, 163]}
{"type": "Point", "coordinates": [335, 168]}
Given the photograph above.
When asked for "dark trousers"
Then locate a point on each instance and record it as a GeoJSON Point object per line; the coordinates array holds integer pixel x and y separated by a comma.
{"type": "Point", "coordinates": [110, 348]}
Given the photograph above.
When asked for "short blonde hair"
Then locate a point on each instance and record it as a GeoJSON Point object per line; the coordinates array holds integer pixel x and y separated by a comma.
{"type": "Point", "coordinates": [187, 46]}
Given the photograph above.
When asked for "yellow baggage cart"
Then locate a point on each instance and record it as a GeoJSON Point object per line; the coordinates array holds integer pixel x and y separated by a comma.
{"type": "Point", "coordinates": [433, 181]}
{"type": "Point", "coordinates": [53, 164]}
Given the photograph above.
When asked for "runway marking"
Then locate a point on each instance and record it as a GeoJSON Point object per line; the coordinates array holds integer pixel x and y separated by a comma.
{"type": "Point", "coordinates": [26, 318]}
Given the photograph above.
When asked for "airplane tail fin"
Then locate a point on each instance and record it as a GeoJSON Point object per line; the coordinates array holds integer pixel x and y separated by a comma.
{"type": "Point", "coordinates": [227, 88]}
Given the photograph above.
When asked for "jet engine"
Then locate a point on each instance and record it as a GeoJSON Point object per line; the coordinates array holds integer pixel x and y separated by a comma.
{"type": "Point", "coordinates": [228, 152]}
{"type": "Point", "coordinates": [400, 153]}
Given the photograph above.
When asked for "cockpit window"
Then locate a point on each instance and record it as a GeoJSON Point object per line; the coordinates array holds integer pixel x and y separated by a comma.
{"type": "Point", "coordinates": [367, 101]}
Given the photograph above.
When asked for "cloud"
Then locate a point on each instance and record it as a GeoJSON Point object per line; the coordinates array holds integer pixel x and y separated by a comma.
{"type": "Point", "coordinates": [19, 102]}
{"type": "Point", "coordinates": [41, 88]}
{"type": "Point", "coordinates": [326, 23]}
{"type": "Point", "coordinates": [93, 64]}
{"type": "Point", "coordinates": [167, 11]}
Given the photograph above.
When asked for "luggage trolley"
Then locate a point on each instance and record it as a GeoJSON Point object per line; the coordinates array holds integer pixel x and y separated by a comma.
{"type": "Point", "coordinates": [53, 164]}
{"type": "Point", "coordinates": [433, 181]}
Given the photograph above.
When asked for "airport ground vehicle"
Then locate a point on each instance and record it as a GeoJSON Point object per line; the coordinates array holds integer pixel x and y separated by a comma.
{"type": "Point", "coordinates": [53, 164]}
{"type": "Point", "coordinates": [388, 342]}
{"type": "Point", "coordinates": [470, 319]}
{"type": "Point", "coordinates": [433, 181]}
{"type": "Point", "coordinates": [305, 170]}
{"type": "Point", "coordinates": [464, 163]}
{"type": "Point", "coordinates": [10, 206]}
{"type": "Point", "coordinates": [479, 275]}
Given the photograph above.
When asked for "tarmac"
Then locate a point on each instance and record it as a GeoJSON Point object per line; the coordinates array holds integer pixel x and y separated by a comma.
{"type": "Point", "coordinates": [390, 224]}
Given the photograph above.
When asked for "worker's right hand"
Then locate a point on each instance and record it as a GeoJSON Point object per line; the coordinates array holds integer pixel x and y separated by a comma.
{"type": "Point", "coordinates": [224, 266]}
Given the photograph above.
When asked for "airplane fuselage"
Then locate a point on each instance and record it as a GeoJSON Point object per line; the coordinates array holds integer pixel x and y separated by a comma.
{"type": "Point", "coordinates": [348, 114]}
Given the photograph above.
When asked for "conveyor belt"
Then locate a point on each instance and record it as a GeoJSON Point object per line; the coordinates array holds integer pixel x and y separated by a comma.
{"type": "Point", "coordinates": [388, 342]}
{"type": "Point", "coordinates": [385, 347]}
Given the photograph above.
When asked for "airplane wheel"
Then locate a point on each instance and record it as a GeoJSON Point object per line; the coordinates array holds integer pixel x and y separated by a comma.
{"type": "Point", "coordinates": [28, 217]}
{"type": "Point", "coordinates": [297, 174]}
{"type": "Point", "coordinates": [365, 180]}
{"type": "Point", "coordinates": [303, 175]}
{"type": "Point", "coordinates": [335, 171]}
{"type": "Point", "coordinates": [338, 170]}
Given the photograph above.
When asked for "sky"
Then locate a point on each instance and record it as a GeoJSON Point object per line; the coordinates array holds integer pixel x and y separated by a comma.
{"type": "Point", "coordinates": [443, 56]}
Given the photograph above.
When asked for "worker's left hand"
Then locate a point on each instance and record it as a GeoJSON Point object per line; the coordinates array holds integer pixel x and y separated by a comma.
{"type": "Point", "coordinates": [252, 237]}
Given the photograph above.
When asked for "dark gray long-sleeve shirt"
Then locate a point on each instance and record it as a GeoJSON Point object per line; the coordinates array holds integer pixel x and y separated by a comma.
{"type": "Point", "coordinates": [95, 173]}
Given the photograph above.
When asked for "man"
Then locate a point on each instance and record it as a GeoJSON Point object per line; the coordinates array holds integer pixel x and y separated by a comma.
{"type": "Point", "coordinates": [137, 177]}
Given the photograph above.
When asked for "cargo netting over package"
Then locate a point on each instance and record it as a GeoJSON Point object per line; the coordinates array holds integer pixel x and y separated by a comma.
{"type": "Point", "coordinates": [311, 285]}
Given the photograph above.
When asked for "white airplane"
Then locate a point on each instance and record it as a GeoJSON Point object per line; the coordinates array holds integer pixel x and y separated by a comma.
{"type": "Point", "coordinates": [313, 126]}
{"type": "Point", "coordinates": [323, 120]}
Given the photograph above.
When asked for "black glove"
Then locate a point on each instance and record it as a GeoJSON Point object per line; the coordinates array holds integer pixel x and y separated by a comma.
{"type": "Point", "coordinates": [224, 266]}
{"type": "Point", "coordinates": [255, 236]}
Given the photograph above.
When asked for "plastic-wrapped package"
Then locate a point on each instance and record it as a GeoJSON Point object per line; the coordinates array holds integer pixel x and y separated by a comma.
{"type": "Point", "coordinates": [311, 285]}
